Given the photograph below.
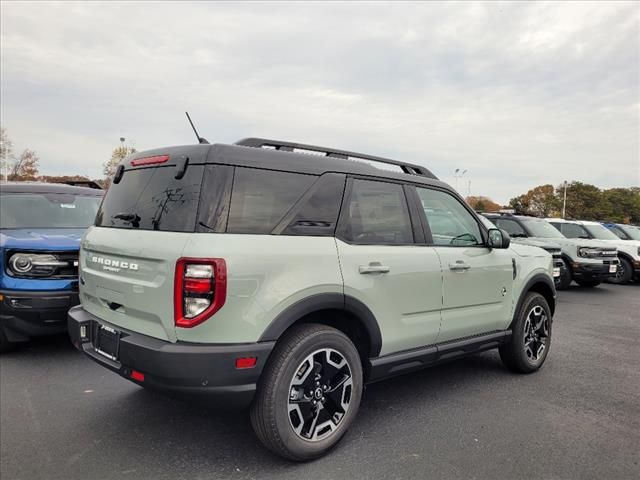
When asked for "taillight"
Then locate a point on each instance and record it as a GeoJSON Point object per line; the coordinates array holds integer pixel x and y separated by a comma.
{"type": "Point", "coordinates": [200, 290]}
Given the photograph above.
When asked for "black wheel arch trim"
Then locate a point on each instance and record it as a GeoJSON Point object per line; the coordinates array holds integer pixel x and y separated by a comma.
{"type": "Point", "coordinates": [536, 279]}
{"type": "Point", "coordinates": [326, 301]}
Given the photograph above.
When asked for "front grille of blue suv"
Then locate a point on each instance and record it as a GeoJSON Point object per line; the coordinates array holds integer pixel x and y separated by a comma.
{"type": "Point", "coordinates": [40, 230]}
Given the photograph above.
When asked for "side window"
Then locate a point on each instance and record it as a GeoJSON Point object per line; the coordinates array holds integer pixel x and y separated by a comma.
{"type": "Point", "coordinates": [260, 198]}
{"type": "Point", "coordinates": [377, 214]}
{"type": "Point", "coordinates": [571, 230]}
{"type": "Point", "coordinates": [450, 222]}
{"type": "Point", "coordinates": [512, 227]}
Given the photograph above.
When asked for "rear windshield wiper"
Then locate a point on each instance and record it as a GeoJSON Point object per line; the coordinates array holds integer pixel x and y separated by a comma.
{"type": "Point", "coordinates": [131, 218]}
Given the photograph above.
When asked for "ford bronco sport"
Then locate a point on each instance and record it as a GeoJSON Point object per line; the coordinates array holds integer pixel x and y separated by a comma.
{"type": "Point", "coordinates": [286, 277]}
{"type": "Point", "coordinates": [40, 229]}
{"type": "Point", "coordinates": [585, 261]}
{"type": "Point", "coordinates": [628, 250]}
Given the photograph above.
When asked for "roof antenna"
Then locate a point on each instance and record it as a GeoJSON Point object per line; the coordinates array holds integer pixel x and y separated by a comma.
{"type": "Point", "coordinates": [201, 140]}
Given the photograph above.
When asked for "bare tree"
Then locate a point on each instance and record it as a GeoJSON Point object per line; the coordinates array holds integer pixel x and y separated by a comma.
{"type": "Point", "coordinates": [26, 167]}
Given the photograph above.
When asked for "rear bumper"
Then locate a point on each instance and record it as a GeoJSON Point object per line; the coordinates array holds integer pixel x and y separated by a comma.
{"type": "Point", "coordinates": [190, 368]}
{"type": "Point", "coordinates": [594, 271]}
{"type": "Point", "coordinates": [31, 314]}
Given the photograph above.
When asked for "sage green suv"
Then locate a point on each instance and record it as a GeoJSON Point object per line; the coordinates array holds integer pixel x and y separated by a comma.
{"type": "Point", "coordinates": [284, 277]}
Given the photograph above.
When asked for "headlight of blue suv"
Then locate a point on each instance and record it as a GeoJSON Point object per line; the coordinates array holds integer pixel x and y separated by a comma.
{"type": "Point", "coordinates": [33, 264]}
{"type": "Point", "coordinates": [587, 252]}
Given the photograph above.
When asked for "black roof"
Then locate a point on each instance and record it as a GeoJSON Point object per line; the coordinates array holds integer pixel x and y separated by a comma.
{"type": "Point", "coordinates": [250, 153]}
{"type": "Point", "coordinates": [41, 187]}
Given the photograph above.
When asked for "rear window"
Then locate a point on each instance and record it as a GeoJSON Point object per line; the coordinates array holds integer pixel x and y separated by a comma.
{"type": "Point", "coordinates": [153, 199]}
{"type": "Point", "coordinates": [47, 210]}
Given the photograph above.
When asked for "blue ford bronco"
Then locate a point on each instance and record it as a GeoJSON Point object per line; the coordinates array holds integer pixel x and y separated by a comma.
{"type": "Point", "coordinates": [40, 229]}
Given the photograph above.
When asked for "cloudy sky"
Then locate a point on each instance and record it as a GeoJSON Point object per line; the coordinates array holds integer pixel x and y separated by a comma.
{"type": "Point", "coordinates": [518, 94]}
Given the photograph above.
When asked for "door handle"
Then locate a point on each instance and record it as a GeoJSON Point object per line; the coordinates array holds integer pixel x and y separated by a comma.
{"type": "Point", "coordinates": [373, 267]}
{"type": "Point", "coordinates": [459, 266]}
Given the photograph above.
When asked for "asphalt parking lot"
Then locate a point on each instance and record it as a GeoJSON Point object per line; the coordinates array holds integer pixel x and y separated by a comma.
{"type": "Point", "coordinates": [62, 416]}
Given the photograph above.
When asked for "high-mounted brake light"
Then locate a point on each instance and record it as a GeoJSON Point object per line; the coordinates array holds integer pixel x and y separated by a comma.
{"type": "Point", "coordinates": [149, 160]}
{"type": "Point", "coordinates": [200, 290]}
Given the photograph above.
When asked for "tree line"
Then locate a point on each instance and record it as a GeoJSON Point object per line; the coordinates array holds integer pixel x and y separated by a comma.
{"type": "Point", "coordinates": [583, 202]}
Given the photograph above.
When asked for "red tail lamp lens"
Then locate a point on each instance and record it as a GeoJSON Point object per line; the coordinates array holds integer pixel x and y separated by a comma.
{"type": "Point", "coordinates": [137, 376]}
{"type": "Point", "coordinates": [200, 290]}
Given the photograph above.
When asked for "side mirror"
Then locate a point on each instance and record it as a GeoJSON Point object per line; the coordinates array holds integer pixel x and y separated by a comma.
{"type": "Point", "coordinates": [498, 238]}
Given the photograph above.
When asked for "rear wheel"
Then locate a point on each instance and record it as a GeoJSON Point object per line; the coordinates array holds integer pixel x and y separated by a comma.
{"type": "Point", "coordinates": [531, 336]}
{"type": "Point", "coordinates": [624, 273]}
{"type": "Point", "coordinates": [309, 393]}
{"type": "Point", "coordinates": [565, 276]}
{"type": "Point", "coordinates": [588, 283]}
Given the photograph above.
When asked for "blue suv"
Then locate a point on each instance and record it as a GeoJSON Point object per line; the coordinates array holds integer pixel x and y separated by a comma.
{"type": "Point", "coordinates": [40, 229]}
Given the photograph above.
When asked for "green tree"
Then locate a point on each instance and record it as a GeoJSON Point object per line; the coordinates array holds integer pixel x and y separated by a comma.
{"type": "Point", "coordinates": [25, 168]}
{"type": "Point", "coordinates": [109, 167]}
{"type": "Point", "coordinates": [623, 204]}
{"type": "Point", "coordinates": [584, 202]}
{"type": "Point", "coordinates": [540, 201]}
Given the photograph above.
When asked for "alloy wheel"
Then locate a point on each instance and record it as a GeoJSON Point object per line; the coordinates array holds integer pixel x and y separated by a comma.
{"type": "Point", "coordinates": [320, 394]}
{"type": "Point", "coordinates": [536, 333]}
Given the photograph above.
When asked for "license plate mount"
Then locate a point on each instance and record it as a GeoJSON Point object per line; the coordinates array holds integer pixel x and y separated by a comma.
{"type": "Point", "coordinates": [613, 268]}
{"type": "Point", "coordinates": [107, 342]}
{"type": "Point", "coordinates": [556, 272]}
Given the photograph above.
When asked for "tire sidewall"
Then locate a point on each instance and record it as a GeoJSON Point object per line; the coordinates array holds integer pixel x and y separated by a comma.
{"type": "Point", "coordinates": [531, 301]}
{"type": "Point", "coordinates": [628, 273]}
{"type": "Point", "coordinates": [301, 448]}
{"type": "Point", "coordinates": [566, 277]}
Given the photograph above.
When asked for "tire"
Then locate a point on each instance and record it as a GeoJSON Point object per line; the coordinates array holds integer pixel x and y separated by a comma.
{"type": "Point", "coordinates": [286, 425]}
{"type": "Point", "coordinates": [624, 274]}
{"type": "Point", "coordinates": [566, 276]}
{"type": "Point", "coordinates": [588, 283]}
{"type": "Point", "coordinates": [5, 344]}
{"type": "Point", "coordinates": [531, 329]}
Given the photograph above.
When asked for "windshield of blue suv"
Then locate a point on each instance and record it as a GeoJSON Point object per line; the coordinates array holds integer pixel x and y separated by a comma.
{"type": "Point", "coordinates": [633, 232]}
{"type": "Point", "coordinates": [600, 232]}
{"type": "Point", "coordinates": [541, 228]}
{"type": "Point", "coordinates": [47, 210]}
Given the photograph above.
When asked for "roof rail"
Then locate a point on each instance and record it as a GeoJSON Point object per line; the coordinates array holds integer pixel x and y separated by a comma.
{"type": "Point", "coordinates": [409, 168]}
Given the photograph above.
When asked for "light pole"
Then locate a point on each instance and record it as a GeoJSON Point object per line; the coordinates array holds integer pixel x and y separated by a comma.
{"type": "Point", "coordinates": [458, 175]}
{"type": "Point", "coordinates": [564, 200]}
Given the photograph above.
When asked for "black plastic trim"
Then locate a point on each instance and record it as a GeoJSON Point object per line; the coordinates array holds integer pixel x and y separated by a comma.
{"type": "Point", "coordinates": [537, 278]}
{"type": "Point", "coordinates": [326, 301]}
{"type": "Point", "coordinates": [419, 358]}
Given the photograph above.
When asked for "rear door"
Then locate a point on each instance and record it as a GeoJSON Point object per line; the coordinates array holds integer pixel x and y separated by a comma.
{"type": "Point", "coordinates": [128, 259]}
{"type": "Point", "coordinates": [386, 267]}
{"type": "Point", "coordinates": [477, 280]}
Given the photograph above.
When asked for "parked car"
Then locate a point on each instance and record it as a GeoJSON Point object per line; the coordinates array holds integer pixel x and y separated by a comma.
{"type": "Point", "coordinates": [553, 248]}
{"type": "Point", "coordinates": [628, 250]}
{"type": "Point", "coordinates": [261, 275]}
{"type": "Point", "coordinates": [40, 229]}
{"type": "Point", "coordinates": [587, 262]}
{"type": "Point", "coordinates": [623, 231]}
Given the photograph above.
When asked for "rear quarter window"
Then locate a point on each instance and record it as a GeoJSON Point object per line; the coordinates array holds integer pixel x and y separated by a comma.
{"type": "Point", "coordinates": [261, 198]}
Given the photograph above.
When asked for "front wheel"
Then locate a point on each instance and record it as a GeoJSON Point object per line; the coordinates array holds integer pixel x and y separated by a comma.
{"type": "Point", "coordinates": [531, 336]}
{"type": "Point", "coordinates": [624, 272]}
{"type": "Point", "coordinates": [309, 393]}
{"type": "Point", "coordinates": [565, 276]}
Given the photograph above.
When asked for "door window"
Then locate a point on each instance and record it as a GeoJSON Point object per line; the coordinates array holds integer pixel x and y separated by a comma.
{"type": "Point", "coordinates": [377, 214]}
{"type": "Point", "coordinates": [451, 224]}
{"type": "Point", "coordinates": [512, 227]}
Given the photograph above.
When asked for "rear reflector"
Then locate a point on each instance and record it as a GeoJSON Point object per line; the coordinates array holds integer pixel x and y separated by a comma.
{"type": "Point", "coordinates": [246, 362]}
{"type": "Point", "coordinates": [149, 160]}
{"type": "Point", "coordinates": [137, 376]}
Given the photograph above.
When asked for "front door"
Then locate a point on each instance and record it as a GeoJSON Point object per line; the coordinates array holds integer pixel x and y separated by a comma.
{"type": "Point", "coordinates": [383, 266]}
{"type": "Point", "coordinates": [477, 280]}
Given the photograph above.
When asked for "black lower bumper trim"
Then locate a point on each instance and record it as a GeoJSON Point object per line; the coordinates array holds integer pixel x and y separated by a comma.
{"type": "Point", "coordinates": [25, 314]}
{"type": "Point", "coordinates": [181, 367]}
{"type": "Point", "coordinates": [593, 271]}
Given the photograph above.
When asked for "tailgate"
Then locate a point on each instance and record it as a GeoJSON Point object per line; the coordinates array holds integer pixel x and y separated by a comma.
{"type": "Point", "coordinates": [127, 278]}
